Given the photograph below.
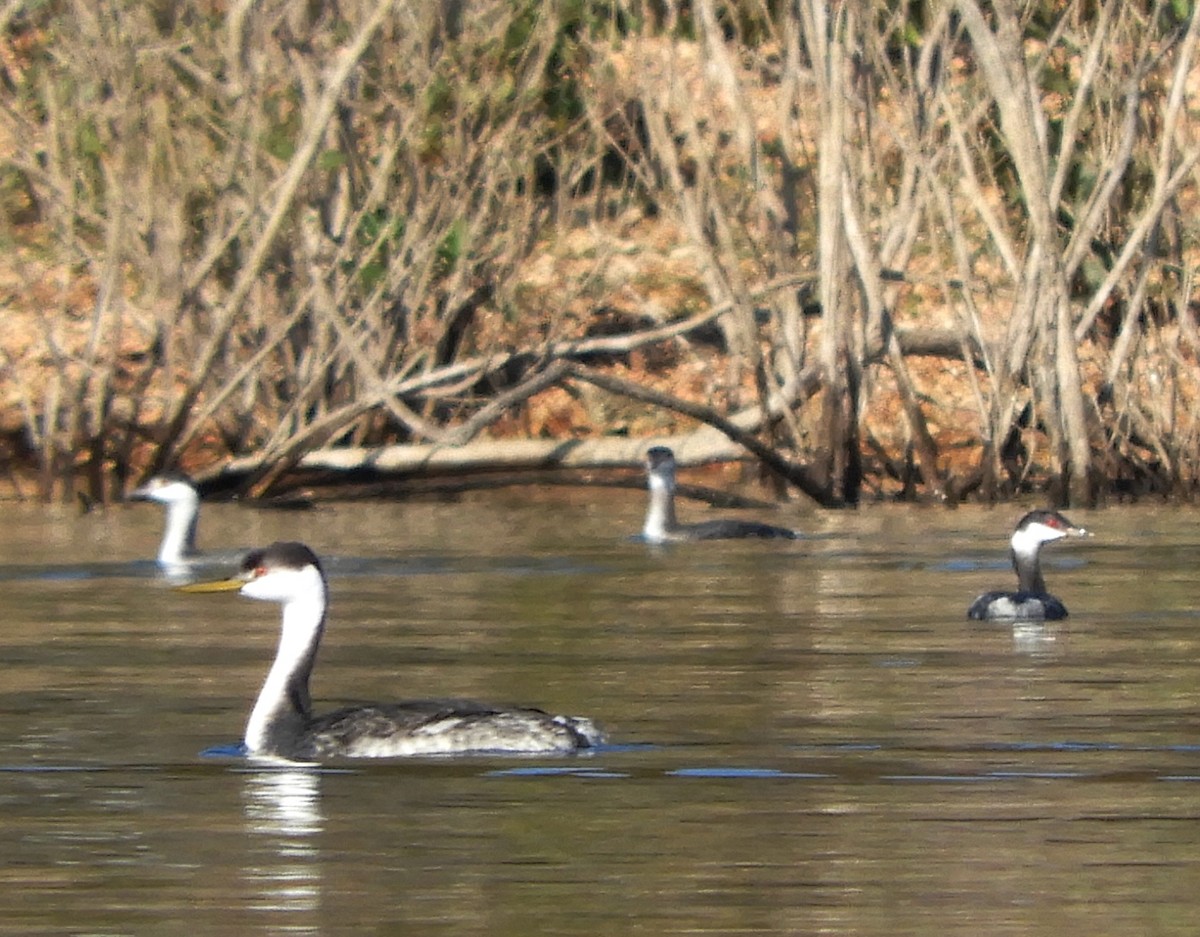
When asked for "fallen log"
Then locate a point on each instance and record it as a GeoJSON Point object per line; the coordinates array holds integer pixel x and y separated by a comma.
{"type": "Point", "coordinates": [701, 447]}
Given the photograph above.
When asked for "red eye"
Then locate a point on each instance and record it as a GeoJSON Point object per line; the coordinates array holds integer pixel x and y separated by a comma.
{"type": "Point", "coordinates": [259, 571]}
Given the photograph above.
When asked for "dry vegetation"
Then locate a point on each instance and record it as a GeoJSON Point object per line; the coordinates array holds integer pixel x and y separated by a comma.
{"type": "Point", "coordinates": [935, 250]}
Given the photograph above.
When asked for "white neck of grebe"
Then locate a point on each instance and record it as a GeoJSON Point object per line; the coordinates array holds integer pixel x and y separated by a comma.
{"type": "Point", "coordinates": [660, 514]}
{"type": "Point", "coordinates": [284, 693]}
{"type": "Point", "coordinates": [179, 537]}
{"type": "Point", "coordinates": [1026, 549]}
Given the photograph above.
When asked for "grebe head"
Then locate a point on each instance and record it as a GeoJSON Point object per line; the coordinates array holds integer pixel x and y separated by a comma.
{"type": "Point", "coordinates": [660, 466]}
{"type": "Point", "coordinates": [169, 488]}
{"type": "Point", "coordinates": [1038, 527]}
{"type": "Point", "coordinates": [282, 572]}
{"type": "Point", "coordinates": [285, 572]}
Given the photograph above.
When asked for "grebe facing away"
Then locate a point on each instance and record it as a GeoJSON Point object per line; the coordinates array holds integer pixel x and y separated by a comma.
{"type": "Point", "coordinates": [177, 493]}
{"type": "Point", "coordinates": [282, 723]}
{"type": "Point", "coordinates": [661, 525]}
{"type": "Point", "coordinates": [1031, 601]}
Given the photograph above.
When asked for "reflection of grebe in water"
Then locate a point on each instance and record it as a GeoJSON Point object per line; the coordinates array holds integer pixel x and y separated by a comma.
{"type": "Point", "coordinates": [661, 525]}
{"type": "Point", "coordinates": [282, 805]}
{"type": "Point", "coordinates": [282, 723]}
{"type": "Point", "coordinates": [1031, 601]}
{"type": "Point", "coordinates": [284, 801]}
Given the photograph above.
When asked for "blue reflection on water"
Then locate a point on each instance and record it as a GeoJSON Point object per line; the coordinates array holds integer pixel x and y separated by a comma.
{"type": "Point", "coordinates": [228, 750]}
{"type": "Point", "coordinates": [543, 771]}
{"type": "Point", "coordinates": [734, 772]}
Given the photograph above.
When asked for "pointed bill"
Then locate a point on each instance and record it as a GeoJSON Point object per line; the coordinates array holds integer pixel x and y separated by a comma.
{"type": "Point", "coordinates": [214, 585]}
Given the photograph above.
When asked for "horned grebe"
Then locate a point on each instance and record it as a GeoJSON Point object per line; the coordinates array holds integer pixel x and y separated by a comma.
{"type": "Point", "coordinates": [661, 525]}
{"type": "Point", "coordinates": [1031, 601]}
{"type": "Point", "coordinates": [282, 723]}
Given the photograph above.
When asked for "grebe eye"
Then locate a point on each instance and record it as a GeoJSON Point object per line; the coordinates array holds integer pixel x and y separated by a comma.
{"type": "Point", "coordinates": [259, 571]}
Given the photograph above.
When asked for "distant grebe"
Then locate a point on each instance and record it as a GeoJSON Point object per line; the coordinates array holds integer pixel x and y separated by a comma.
{"type": "Point", "coordinates": [182, 501]}
{"type": "Point", "coordinates": [661, 525]}
{"type": "Point", "coordinates": [1031, 601]}
{"type": "Point", "coordinates": [282, 723]}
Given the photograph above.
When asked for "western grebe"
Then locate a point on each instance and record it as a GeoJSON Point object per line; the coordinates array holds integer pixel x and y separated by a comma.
{"type": "Point", "coordinates": [661, 525]}
{"type": "Point", "coordinates": [1031, 601]}
{"type": "Point", "coordinates": [282, 723]}
{"type": "Point", "coordinates": [176, 492]}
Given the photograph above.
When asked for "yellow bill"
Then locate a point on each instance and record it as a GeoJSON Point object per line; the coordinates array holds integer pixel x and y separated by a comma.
{"type": "Point", "coordinates": [213, 585]}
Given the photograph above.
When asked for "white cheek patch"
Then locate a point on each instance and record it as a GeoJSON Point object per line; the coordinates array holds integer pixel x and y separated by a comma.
{"type": "Point", "coordinates": [284, 585]}
{"type": "Point", "coordinates": [1028, 539]}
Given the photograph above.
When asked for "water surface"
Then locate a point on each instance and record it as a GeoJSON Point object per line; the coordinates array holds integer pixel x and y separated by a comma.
{"type": "Point", "coordinates": [807, 737]}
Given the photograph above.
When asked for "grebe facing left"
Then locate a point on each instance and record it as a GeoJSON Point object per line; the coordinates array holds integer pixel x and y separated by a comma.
{"type": "Point", "coordinates": [176, 492]}
{"type": "Point", "coordinates": [1031, 601]}
{"type": "Point", "coordinates": [661, 525]}
{"type": "Point", "coordinates": [283, 725]}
